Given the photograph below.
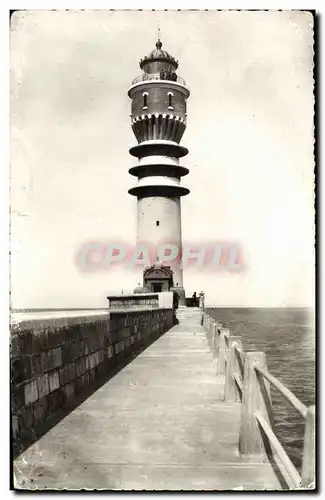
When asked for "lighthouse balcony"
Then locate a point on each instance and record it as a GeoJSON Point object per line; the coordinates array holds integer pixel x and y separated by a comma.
{"type": "Point", "coordinates": [159, 186]}
{"type": "Point", "coordinates": [158, 148]}
{"type": "Point", "coordinates": [169, 191]}
{"type": "Point", "coordinates": [141, 171]}
{"type": "Point", "coordinates": [162, 75]}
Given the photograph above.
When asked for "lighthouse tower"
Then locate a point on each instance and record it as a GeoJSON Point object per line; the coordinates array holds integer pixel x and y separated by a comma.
{"type": "Point", "coordinates": [158, 121]}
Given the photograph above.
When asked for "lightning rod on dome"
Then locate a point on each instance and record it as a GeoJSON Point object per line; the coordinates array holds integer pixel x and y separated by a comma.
{"type": "Point", "coordinates": [158, 31]}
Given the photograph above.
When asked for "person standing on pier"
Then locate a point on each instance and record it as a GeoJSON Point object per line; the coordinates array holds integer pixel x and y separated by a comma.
{"type": "Point", "coordinates": [175, 300]}
{"type": "Point", "coordinates": [175, 306]}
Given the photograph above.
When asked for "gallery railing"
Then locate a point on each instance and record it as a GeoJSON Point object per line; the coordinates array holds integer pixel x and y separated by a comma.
{"type": "Point", "coordinates": [159, 76]}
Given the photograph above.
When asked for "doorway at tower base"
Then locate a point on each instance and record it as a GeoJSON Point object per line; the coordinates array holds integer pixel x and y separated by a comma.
{"type": "Point", "coordinates": [159, 278]}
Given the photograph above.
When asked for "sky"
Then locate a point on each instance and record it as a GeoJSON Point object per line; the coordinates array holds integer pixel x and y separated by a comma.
{"type": "Point", "coordinates": [250, 138]}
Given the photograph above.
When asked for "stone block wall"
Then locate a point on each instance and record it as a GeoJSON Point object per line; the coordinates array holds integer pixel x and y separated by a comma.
{"type": "Point", "coordinates": [135, 301]}
{"type": "Point", "coordinates": [55, 361]}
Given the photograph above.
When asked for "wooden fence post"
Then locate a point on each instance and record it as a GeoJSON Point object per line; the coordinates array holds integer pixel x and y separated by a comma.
{"type": "Point", "coordinates": [205, 322]}
{"type": "Point", "coordinates": [250, 438]}
{"type": "Point", "coordinates": [209, 331]}
{"type": "Point", "coordinates": [308, 461]}
{"type": "Point", "coordinates": [231, 390]}
{"type": "Point", "coordinates": [208, 323]}
{"type": "Point", "coordinates": [214, 339]}
{"type": "Point", "coordinates": [218, 332]}
{"type": "Point", "coordinates": [221, 368]}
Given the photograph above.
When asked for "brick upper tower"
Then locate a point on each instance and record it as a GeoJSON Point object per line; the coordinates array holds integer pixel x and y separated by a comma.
{"type": "Point", "coordinates": [158, 121]}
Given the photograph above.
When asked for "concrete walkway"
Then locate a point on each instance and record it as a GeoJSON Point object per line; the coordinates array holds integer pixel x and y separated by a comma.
{"type": "Point", "coordinates": [159, 424]}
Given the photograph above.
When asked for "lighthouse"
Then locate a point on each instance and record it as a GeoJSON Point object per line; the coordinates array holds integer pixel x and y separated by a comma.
{"type": "Point", "coordinates": [158, 119]}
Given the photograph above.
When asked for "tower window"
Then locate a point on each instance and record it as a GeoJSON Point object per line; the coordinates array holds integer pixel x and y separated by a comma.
{"type": "Point", "coordinates": [170, 100]}
{"type": "Point", "coordinates": [157, 222]}
{"type": "Point", "coordinates": [145, 100]}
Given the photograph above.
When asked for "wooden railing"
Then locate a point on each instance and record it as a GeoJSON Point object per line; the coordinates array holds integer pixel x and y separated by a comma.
{"type": "Point", "coordinates": [248, 381]}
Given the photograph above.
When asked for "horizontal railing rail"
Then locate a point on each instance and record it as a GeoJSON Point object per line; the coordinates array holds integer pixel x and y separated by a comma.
{"type": "Point", "coordinates": [239, 383]}
{"type": "Point", "coordinates": [158, 76]}
{"type": "Point", "coordinates": [286, 393]}
{"type": "Point", "coordinates": [284, 458]}
{"type": "Point", "coordinates": [248, 381]}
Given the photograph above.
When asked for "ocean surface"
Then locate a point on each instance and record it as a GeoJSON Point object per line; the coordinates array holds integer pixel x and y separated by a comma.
{"type": "Point", "coordinates": [287, 336]}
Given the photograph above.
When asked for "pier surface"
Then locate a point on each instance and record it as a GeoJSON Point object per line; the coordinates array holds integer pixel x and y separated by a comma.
{"type": "Point", "coordinates": [159, 424]}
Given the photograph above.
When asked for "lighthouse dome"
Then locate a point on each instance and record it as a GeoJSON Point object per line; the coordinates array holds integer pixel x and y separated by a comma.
{"type": "Point", "coordinates": [159, 55]}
